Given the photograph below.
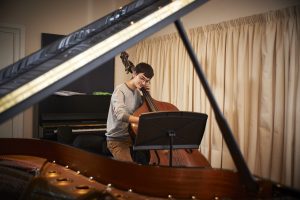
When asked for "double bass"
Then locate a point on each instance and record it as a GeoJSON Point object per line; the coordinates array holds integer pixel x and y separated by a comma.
{"type": "Point", "coordinates": [181, 157]}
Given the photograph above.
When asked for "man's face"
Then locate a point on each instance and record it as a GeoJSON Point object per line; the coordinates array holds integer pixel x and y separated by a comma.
{"type": "Point", "coordinates": [141, 81]}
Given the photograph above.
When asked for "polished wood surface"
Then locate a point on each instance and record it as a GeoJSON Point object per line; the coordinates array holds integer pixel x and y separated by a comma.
{"type": "Point", "coordinates": [54, 181]}
{"type": "Point", "coordinates": [155, 181]}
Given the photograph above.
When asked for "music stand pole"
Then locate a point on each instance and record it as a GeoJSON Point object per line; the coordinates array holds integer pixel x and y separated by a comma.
{"type": "Point", "coordinates": [171, 134]}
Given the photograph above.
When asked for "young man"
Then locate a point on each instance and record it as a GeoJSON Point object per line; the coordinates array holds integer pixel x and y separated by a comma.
{"type": "Point", "coordinates": [126, 99]}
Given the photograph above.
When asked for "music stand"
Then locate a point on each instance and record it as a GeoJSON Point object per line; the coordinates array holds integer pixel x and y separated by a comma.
{"type": "Point", "coordinates": [170, 130]}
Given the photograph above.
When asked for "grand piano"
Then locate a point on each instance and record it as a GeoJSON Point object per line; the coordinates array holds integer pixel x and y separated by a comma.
{"type": "Point", "coordinates": [41, 169]}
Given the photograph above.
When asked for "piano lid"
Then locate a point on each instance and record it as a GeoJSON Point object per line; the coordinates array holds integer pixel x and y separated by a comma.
{"type": "Point", "coordinates": [40, 74]}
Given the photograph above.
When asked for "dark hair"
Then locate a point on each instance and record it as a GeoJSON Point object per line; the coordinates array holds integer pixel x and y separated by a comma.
{"type": "Point", "coordinates": [144, 68]}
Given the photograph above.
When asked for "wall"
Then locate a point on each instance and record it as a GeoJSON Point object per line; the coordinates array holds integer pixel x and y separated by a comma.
{"type": "Point", "coordinates": [60, 17]}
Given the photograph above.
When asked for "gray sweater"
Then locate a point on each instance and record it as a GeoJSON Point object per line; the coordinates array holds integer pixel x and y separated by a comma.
{"type": "Point", "coordinates": [124, 101]}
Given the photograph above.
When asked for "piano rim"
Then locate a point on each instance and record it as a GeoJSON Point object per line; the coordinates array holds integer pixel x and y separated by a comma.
{"type": "Point", "coordinates": [180, 182]}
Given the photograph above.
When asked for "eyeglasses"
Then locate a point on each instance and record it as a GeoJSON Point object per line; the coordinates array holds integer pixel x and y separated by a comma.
{"type": "Point", "coordinates": [144, 79]}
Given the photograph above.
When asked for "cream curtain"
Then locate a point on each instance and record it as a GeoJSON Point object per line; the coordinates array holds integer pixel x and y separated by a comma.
{"type": "Point", "coordinates": [252, 66]}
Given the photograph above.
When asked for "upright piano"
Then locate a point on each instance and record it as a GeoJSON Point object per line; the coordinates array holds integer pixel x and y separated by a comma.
{"type": "Point", "coordinates": [42, 169]}
{"type": "Point", "coordinates": [77, 120]}
{"type": "Point", "coordinates": [81, 113]}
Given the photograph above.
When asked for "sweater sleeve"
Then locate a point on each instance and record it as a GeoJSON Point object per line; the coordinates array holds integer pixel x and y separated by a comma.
{"type": "Point", "coordinates": [119, 106]}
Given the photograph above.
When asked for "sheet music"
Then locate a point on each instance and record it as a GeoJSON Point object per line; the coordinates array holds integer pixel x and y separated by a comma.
{"type": "Point", "coordinates": [68, 93]}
